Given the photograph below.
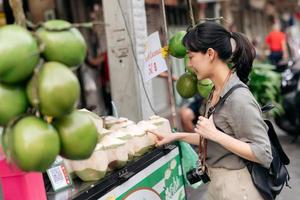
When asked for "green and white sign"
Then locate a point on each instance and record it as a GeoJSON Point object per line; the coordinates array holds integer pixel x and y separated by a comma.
{"type": "Point", "coordinates": [162, 180]}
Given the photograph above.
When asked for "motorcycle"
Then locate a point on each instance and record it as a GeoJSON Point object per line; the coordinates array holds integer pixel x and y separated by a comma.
{"type": "Point", "coordinates": [290, 90]}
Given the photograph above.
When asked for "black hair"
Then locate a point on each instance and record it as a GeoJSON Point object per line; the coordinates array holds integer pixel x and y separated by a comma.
{"type": "Point", "coordinates": [212, 35]}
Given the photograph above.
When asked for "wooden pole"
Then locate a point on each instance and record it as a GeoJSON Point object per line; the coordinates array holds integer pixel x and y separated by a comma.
{"type": "Point", "coordinates": [17, 8]}
{"type": "Point", "coordinates": [170, 73]}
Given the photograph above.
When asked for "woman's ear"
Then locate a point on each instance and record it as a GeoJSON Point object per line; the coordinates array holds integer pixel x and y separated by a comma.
{"type": "Point", "coordinates": [211, 54]}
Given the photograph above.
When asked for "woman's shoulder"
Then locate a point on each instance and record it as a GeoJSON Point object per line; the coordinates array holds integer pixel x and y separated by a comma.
{"type": "Point", "coordinates": [242, 97]}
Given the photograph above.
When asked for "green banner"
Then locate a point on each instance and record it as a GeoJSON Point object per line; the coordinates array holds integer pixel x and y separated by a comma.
{"type": "Point", "coordinates": [162, 180]}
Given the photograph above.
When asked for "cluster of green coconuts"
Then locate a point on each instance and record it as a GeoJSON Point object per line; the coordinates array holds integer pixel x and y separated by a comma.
{"type": "Point", "coordinates": [39, 93]}
{"type": "Point", "coordinates": [187, 85]}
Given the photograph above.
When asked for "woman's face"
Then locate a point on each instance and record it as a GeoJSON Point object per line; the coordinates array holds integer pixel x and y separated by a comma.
{"type": "Point", "coordinates": [200, 63]}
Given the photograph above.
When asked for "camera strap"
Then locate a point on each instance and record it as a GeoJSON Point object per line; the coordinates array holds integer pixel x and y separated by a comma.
{"type": "Point", "coordinates": [202, 151]}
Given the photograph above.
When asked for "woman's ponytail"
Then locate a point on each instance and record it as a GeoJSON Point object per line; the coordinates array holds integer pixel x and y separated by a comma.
{"type": "Point", "coordinates": [243, 56]}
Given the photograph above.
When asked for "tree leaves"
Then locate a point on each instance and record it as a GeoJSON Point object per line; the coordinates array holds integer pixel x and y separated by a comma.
{"type": "Point", "coordinates": [265, 84]}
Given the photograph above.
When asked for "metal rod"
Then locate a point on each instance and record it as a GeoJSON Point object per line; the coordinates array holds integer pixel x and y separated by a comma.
{"type": "Point", "coordinates": [170, 73]}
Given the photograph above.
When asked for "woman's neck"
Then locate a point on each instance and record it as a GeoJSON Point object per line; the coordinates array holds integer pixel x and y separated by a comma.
{"type": "Point", "coordinates": [219, 76]}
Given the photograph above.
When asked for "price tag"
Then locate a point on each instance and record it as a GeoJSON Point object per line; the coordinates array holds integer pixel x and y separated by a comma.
{"type": "Point", "coordinates": [154, 63]}
{"type": "Point", "coordinates": [58, 175]}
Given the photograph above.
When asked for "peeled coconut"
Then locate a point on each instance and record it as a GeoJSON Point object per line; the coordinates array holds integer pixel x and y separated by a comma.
{"type": "Point", "coordinates": [162, 124]}
{"type": "Point", "coordinates": [121, 124]}
{"type": "Point", "coordinates": [113, 123]}
{"type": "Point", "coordinates": [123, 134]}
{"type": "Point", "coordinates": [103, 132]}
{"type": "Point", "coordinates": [93, 168]}
{"type": "Point", "coordinates": [116, 150]}
{"type": "Point", "coordinates": [109, 121]}
{"type": "Point", "coordinates": [147, 125]}
{"type": "Point", "coordinates": [142, 142]}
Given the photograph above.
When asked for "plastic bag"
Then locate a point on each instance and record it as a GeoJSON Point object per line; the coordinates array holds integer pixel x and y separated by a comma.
{"type": "Point", "coordinates": [189, 160]}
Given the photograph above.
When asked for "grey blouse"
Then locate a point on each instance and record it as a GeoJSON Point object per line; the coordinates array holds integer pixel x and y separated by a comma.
{"type": "Point", "coordinates": [241, 118]}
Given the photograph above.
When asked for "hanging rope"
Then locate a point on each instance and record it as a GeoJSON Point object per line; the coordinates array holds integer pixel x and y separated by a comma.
{"type": "Point", "coordinates": [18, 12]}
{"type": "Point", "coordinates": [191, 13]}
{"type": "Point", "coordinates": [192, 18]}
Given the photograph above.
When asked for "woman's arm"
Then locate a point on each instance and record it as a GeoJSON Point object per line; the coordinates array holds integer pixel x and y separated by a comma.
{"type": "Point", "coordinates": [207, 129]}
{"type": "Point", "coordinates": [191, 138]}
{"type": "Point", "coordinates": [236, 146]}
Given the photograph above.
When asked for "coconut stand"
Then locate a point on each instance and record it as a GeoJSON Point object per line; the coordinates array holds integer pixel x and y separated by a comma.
{"type": "Point", "coordinates": [156, 174]}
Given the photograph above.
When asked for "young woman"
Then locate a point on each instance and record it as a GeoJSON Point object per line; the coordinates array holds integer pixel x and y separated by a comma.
{"type": "Point", "coordinates": [244, 133]}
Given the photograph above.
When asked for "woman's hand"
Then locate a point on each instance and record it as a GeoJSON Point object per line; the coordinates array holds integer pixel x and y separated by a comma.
{"type": "Point", "coordinates": [163, 138]}
{"type": "Point", "coordinates": [207, 129]}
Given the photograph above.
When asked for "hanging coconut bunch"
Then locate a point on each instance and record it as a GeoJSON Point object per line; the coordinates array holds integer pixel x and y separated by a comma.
{"type": "Point", "coordinates": [54, 89]}
{"type": "Point", "coordinates": [204, 87]}
{"type": "Point", "coordinates": [176, 47]}
{"type": "Point", "coordinates": [188, 85]}
{"type": "Point", "coordinates": [31, 143]}
{"type": "Point", "coordinates": [78, 135]}
{"type": "Point", "coordinates": [62, 43]}
{"type": "Point", "coordinates": [39, 95]}
{"type": "Point", "coordinates": [13, 102]}
{"type": "Point", "coordinates": [19, 54]}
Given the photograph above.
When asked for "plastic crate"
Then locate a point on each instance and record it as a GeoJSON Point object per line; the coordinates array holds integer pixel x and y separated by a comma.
{"type": "Point", "coordinates": [19, 185]}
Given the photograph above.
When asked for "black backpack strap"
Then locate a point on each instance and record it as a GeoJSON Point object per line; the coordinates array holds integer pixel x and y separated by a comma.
{"type": "Point", "coordinates": [275, 142]}
{"type": "Point", "coordinates": [223, 99]}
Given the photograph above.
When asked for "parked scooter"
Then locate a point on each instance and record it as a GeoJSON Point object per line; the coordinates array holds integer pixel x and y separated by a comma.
{"type": "Point", "coordinates": [290, 90]}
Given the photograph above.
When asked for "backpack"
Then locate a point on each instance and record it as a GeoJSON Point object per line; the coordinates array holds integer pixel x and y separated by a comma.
{"type": "Point", "coordinates": [268, 181]}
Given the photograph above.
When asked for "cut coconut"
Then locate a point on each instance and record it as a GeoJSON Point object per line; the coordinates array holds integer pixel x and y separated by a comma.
{"type": "Point", "coordinates": [147, 125]}
{"type": "Point", "coordinates": [116, 150]}
{"type": "Point", "coordinates": [142, 143]}
{"type": "Point", "coordinates": [109, 121]}
{"type": "Point", "coordinates": [122, 123]}
{"type": "Point", "coordinates": [163, 125]}
{"type": "Point", "coordinates": [123, 134]}
{"type": "Point", "coordinates": [103, 132]}
{"type": "Point", "coordinates": [94, 168]}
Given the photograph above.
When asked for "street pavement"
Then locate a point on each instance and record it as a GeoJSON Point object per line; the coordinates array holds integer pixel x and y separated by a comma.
{"type": "Point", "coordinates": [293, 151]}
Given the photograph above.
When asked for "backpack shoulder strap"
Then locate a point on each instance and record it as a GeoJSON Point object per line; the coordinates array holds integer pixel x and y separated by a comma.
{"type": "Point", "coordinates": [276, 143]}
{"type": "Point", "coordinates": [223, 99]}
